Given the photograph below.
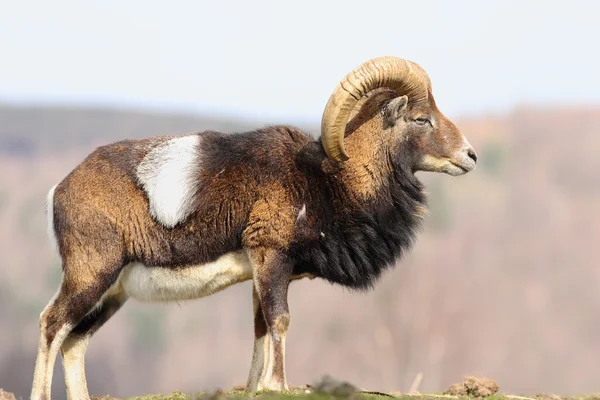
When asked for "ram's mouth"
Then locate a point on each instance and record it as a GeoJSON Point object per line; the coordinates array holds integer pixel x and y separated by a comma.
{"type": "Point", "coordinates": [460, 167]}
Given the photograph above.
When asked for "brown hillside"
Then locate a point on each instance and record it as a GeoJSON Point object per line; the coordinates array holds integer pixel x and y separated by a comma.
{"type": "Point", "coordinates": [503, 280]}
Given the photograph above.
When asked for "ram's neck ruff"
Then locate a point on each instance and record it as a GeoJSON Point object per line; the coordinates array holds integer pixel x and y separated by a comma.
{"type": "Point", "coordinates": [362, 238]}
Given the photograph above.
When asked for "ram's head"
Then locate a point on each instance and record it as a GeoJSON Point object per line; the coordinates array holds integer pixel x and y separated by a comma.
{"type": "Point", "coordinates": [396, 93]}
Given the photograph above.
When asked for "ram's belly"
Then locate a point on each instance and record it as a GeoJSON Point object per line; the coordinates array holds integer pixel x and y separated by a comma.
{"type": "Point", "coordinates": [192, 282]}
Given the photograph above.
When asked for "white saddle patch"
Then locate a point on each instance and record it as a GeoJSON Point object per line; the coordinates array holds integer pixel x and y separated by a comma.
{"type": "Point", "coordinates": [168, 174]}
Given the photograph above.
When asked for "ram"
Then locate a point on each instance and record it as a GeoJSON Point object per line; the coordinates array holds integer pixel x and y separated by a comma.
{"type": "Point", "coordinates": [183, 217]}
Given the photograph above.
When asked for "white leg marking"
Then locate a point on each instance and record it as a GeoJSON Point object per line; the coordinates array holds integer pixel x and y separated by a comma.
{"type": "Point", "coordinates": [42, 356]}
{"type": "Point", "coordinates": [267, 372]}
{"type": "Point", "coordinates": [169, 175]}
{"type": "Point", "coordinates": [284, 383]}
{"type": "Point", "coordinates": [186, 283]}
{"type": "Point", "coordinates": [44, 364]}
{"type": "Point", "coordinates": [258, 364]}
{"type": "Point", "coordinates": [73, 352]}
{"type": "Point", "coordinates": [267, 380]}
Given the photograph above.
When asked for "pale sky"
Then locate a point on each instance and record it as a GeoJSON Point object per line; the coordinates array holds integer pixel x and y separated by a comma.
{"type": "Point", "coordinates": [280, 60]}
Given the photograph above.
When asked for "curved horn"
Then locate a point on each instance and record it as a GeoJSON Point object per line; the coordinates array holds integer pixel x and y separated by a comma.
{"type": "Point", "coordinates": [403, 76]}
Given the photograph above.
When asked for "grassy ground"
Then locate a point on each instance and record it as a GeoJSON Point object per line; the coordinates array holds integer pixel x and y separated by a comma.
{"type": "Point", "coordinates": [354, 396]}
{"type": "Point", "coordinates": [241, 395]}
{"type": "Point", "coordinates": [472, 388]}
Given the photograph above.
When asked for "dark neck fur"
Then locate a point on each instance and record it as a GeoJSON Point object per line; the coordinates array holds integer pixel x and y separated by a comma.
{"type": "Point", "coordinates": [356, 242]}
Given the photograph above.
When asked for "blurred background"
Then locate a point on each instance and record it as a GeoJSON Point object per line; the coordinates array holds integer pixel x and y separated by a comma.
{"type": "Point", "coordinates": [504, 279]}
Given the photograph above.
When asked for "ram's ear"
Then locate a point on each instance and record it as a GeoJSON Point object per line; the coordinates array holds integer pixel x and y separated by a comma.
{"type": "Point", "coordinates": [395, 109]}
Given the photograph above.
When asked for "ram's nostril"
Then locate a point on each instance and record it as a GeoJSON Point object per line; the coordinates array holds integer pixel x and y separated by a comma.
{"type": "Point", "coordinates": [472, 154]}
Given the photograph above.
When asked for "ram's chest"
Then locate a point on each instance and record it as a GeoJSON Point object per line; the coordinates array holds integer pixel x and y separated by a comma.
{"type": "Point", "coordinates": [191, 282]}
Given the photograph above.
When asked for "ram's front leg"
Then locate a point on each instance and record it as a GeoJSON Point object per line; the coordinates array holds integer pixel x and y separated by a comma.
{"type": "Point", "coordinates": [272, 272]}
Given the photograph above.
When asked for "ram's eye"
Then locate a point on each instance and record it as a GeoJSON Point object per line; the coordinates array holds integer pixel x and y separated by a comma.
{"type": "Point", "coordinates": [423, 121]}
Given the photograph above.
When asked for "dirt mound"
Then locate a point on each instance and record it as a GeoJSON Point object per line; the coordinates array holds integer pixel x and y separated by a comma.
{"type": "Point", "coordinates": [474, 387]}
{"type": "Point", "coordinates": [6, 395]}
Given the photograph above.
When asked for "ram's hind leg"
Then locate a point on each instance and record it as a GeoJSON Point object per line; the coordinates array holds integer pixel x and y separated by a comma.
{"type": "Point", "coordinates": [53, 330]}
{"type": "Point", "coordinates": [85, 280]}
{"type": "Point", "coordinates": [74, 347]}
